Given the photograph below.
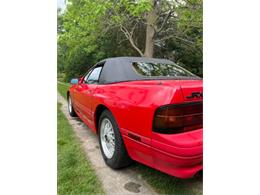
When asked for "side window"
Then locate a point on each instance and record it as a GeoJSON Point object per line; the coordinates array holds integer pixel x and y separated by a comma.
{"type": "Point", "coordinates": [93, 77]}
{"type": "Point", "coordinates": [86, 77]}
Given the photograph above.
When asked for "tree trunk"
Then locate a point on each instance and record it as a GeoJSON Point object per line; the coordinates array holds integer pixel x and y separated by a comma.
{"type": "Point", "coordinates": [149, 43]}
{"type": "Point", "coordinates": [150, 31]}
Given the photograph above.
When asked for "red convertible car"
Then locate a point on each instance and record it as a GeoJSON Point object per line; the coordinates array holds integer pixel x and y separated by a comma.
{"type": "Point", "coordinates": [143, 109]}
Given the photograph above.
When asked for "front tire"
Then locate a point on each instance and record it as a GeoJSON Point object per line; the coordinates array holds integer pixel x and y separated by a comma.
{"type": "Point", "coordinates": [70, 108]}
{"type": "Point", "coordinates": [111, 143]}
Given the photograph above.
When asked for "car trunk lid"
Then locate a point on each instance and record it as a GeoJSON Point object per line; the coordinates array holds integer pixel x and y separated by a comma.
{"type": "Point", "coordinates": [192, 90]}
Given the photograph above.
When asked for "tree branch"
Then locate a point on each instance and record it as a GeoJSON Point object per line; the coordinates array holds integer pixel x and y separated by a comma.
{"type": "Point", "coordinates": [129, 36]}
{"type": "Point", "coordinates": [164, 21]}
{"type": "Point", "coordinates": [132, 30]}
{"type": "Point", "coordinates": [176, 37]}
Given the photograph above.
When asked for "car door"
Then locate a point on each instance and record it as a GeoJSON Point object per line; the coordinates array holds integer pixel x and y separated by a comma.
{"type": "Point", "coordinates": [86, 91]}
{"type": "Point", "coordinates": [77, 94]}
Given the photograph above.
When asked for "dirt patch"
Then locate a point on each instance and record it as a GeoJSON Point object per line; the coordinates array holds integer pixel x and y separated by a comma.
{"type": "Point", "coordinates": [132, 187]}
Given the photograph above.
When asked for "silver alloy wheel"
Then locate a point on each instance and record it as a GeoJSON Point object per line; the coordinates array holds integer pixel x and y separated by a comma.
{"type": "Point", "coordinates": [107, 138]}
{"type": "Point", "coordinates": [70, 105]}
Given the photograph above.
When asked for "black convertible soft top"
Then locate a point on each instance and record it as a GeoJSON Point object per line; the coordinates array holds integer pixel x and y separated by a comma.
{"type": "Point", "coordinates": [120, 69]}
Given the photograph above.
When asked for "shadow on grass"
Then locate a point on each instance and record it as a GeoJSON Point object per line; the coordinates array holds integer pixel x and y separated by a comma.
{"type": "Point", "coordinates": [166, 184]}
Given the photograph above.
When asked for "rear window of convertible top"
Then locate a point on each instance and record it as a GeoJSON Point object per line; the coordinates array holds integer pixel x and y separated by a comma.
{"type": "Point", "coordinates": [151, 69]}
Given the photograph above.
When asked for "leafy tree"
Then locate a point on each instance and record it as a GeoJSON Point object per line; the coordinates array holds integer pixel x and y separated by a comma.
{"type": "Point", "coordinates": [89, 31]}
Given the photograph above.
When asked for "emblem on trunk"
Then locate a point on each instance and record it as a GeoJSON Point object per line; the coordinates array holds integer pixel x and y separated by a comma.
{"type": "Point", "coordinates": [195, 95]}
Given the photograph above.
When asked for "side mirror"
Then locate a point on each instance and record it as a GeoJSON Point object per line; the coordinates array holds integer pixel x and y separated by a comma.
{"type": "Point", "coordinates": [74, 81]}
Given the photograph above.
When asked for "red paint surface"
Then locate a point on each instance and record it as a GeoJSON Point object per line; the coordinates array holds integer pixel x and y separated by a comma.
{"type": "Point", "coordinates": [133, 105]}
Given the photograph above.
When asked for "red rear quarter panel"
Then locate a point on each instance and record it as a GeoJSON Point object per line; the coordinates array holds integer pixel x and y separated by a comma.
{"type": "Point", "coordinates": [133, 103]}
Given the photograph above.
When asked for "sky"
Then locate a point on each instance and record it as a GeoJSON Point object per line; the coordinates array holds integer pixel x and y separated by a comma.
{"type": "Point", "coordinates": [61, 4]}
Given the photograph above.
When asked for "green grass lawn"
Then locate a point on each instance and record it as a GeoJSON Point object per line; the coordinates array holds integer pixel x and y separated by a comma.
{"type": "Point", "coordinates": [166, 184]}
{"type": "Point", "coordinates": [75, 174]}
{"type": "Point", "coordinates": [63, 88]}
{"type": "Point", "coordinates": [162, 183]}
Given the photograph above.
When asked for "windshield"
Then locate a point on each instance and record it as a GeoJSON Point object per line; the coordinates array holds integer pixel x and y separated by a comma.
{"type": "Point", "coordinates": [158, 69]}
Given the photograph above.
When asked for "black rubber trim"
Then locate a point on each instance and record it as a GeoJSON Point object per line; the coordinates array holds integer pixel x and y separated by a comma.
{"type": "Point", "coordinates": [135, 137]}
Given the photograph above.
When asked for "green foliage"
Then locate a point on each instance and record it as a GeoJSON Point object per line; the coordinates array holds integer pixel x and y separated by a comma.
{"type": "Point", "coordinates": [136, 8]}
{"type": "Point", "coordinates": [75, 174]}
{"type": "Point", "coordinates": [186, 47]}
{"type": "Point", "coordinates": [89, 31]}
{"type": "Point", "coordinates": [76, 40]}
{"type": "Point", "coordinates": [63, 88]}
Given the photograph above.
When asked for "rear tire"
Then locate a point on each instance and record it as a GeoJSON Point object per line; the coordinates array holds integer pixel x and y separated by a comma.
{"type": "Point", "coordinates": [70, 108]}
{"type": "Point", "coordinates": [119, 157]}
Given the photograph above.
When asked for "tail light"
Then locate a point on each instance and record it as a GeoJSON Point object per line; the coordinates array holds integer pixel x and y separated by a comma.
{"type": "Point", "coordinates": [177, 118]}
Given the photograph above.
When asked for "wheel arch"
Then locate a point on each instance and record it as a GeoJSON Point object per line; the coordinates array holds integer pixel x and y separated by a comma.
{"type": "Point", "coordinates": [68, 93]}
{"type": "Point", "coordinates": [99, 109]}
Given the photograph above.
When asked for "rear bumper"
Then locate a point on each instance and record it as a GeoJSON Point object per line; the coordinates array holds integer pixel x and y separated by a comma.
{"type": "Point", "coordinates": [180, 155]}
{"type": "Point", "coordinates": [167, 164]}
